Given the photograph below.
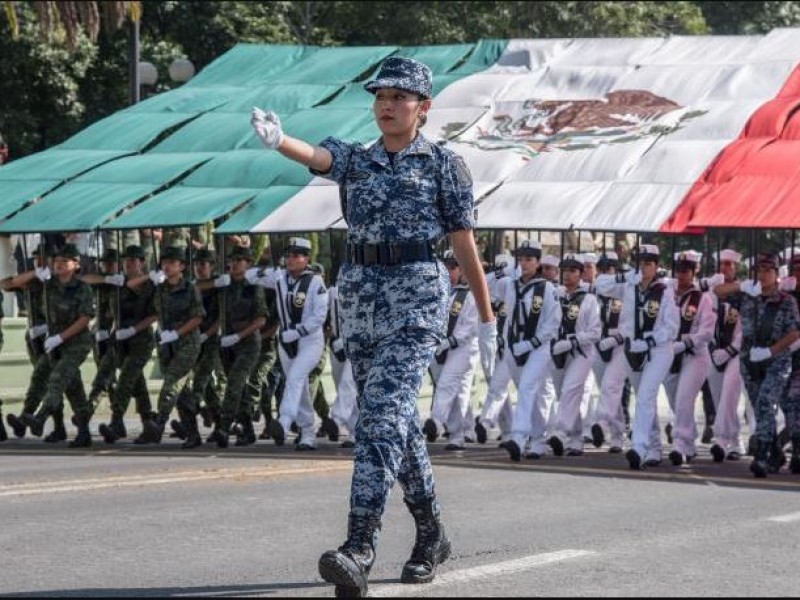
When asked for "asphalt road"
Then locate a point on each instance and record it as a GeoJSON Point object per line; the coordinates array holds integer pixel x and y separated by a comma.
{"type": "Point", "coordinates": [158, 521]}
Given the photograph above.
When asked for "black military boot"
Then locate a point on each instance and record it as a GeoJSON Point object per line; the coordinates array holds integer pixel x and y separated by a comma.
{"type": "Point", "coordinates": [153, 429]}
{"type": "Point", "coordinates": [205, 414]}
{"type": "Point", "coordinates": [431, 547]}
{"type": "Point", "coordinates": [223, 431]}
{"type": "Point", "coordinates": [247, 435]}
{"type": "Point", "coordinates": [178, 426]}
{"type": "Point", "coordinates": [17, 424]}
{"type": "Point", "coordinates": [193, 439]}
{"type": "Point", "coordinates": [777, 458]}
{"type": "Point", "coordinates": [759, 466]}
{"type": "Point", "coordinates": [794, 462]}
{"type": "Point", "coordinates": [348, 567]}
{"type": "Point", "coordinates": [36, 423]}
{"type": "Point", "coordinates": [59, 433]}
{"type": "Point", "coordinates": [84, 437]}
{"type": "Point", "coordinates": [114, 430]}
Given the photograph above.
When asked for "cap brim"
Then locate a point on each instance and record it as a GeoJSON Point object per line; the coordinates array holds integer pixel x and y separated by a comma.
{"type": "Point", "coordinates": [401, 83]}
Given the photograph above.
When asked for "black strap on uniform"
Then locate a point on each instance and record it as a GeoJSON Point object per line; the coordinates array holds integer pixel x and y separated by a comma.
{"type": "Point", "coordinates": [288, 312]}
{"type": "Point", "coordinates": [689, 300]}
{"type": "Point", "coordinates": [455, 311]}
{"type": "Point", "coordinates": [644, 322]}
{"type": "Point", "coordinates": [724, 327]}
{"type": "Point", "coordinates": [520, 320]}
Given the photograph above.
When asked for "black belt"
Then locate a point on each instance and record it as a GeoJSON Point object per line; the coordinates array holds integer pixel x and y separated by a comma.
{"type": "Point", "coordinates": [388, 254]}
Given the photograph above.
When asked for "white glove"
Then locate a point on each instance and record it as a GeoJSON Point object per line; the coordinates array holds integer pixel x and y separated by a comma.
{"type": "Point", "coordinates": [639, 346]}
{"type": "Point", "coordinates": [222, 281]}
{"type": "Point", "coordinates": [521, 348]}
{"type": "Point", "coordinates": [168, 336]}
{"type": "Point", "coordinates": [289, 336]}
{"type": "Point", "coordinates": [126, 333]}
{"type": "Point", "coordinates": [43, 273]}
{"type": "Point", "coordinates": [720, 356]}
{"type": "Point", "coordinates": [751, 287]}
{"type": "Point", "coordinates": [203, 338]}
{"type": "Point", "coordinates": [157, 277]}
{"type": "Point", "coordinates": [487, 345]}
{"type": "Point", "coordinates": [117, 280]}
{"type": "Point", "coordinates": [267, 126]}
{"type": "Point", "coordinates": [634, 278]}
{"type": "Point", "coordinates": [226, 341]}
{"type": "Point", "coordinates": [252, 275]}
{"type": "Point", "coordinates": [783, 271]}
{"type": "Point", "coordinates": [337, 344]}
{"type": "Point", "coordinates": [608, 343]}
{"type": "Point", "coordinates": [442, 347]}
{"type": "Point", "coordinates": [678, 347]}
{"type": "Point", "coordinates": [53, 342]}
{"type": "Point", "coordinates": [760, 354]}
{"type": "Point", "coordinates": [795, 346]}
{"type": "Point", "coordinates": [37, 331]}
{"type": "Point", "coordinates": [561, 346]}
{"type": "Point", "coordinates": [709, 283]}
{"type": "Point", "coordinates": [787, 284]}
{"type": "Point", "coordinates": [101, 335]}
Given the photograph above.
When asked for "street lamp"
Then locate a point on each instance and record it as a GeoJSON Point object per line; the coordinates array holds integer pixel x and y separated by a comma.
{"type": "Point", "coordinates": [181, 70]}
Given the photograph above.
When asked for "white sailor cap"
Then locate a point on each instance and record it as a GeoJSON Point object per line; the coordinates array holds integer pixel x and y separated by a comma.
{"type": "Point", "coordinates": [588, 258]}
{"type": "Point", "coordinates": [648, 252]}
{"type": "Point", "coordinates": [299, 245]}
{"type": "Point", "coordinates": [688, 257]}
{"type": "Point", "coordinates": [529, 248]}
{"type": "Point", "coordinates": [572, 261]}
{"type": "Point", "coordinates": [609, 258]}
{"type": "Point", "coordinates": [503, 260]}
{"type": "Point", "coordinates": [548, 260]}
{"type": "Point", "coordinates": [731, 255]}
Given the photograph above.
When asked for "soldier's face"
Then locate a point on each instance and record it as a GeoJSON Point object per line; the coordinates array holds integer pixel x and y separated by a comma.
{"type": "Point", "coordinates": [296, 262]}
{"type": "Point", "coordinates": [238, 266]}
{"type": "Point", "coordinates": [728, 269]}
{"type": "Point", "coordinates": [767, 276]}
{"type": "Point", "coordinates": [63, 266]}
{"type": "Point", "coordinates": [528, 265]}
{"type": "Point", "coordinates": [455, 273]}
{"type": "Point", "coordinates": [572, 276]}
{"type": "Point", "coordinates": [397, 111]}
{"type": "Point", "coordinates": [550, 272]}
{"type": "Point", "coordinates": [589, 272]}
{"type": "Point", "coordinates": [132, 266]}
{"type": "Point", "coordinates": [202, 269]}
{"type": "Point", "coordinates": [110, 267]}
{"type": "Point", "coordinates": [648, 268]}
{"type": "Point", "coordinates": [172, 268]}
{"type": "Point", "coordinates": [685, 276]}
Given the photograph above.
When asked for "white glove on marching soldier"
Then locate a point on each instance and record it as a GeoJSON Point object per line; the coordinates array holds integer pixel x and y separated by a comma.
{"type": "Point", "coordinates": [157, 277]}
{"type": "Point", "coordinates": [37, 331]}
{"type": "Point", "coordinates": [126, 333]}
{"type": "Point", "coordinates": [267, 126]}
{"type": "Point", "coordinates": [168, 336]}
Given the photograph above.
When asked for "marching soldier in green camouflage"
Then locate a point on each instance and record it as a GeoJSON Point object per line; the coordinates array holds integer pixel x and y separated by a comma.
{"type": "Point", "coordinates": [258, 392]}
{"type": "Point", "coordinates": [133, 311]}
{"type": "Point", "coordinates": [180, 312]}
{"type": "Point", "coordinates": [69, 307]}
{"type": "Point", "coordinates": [243, 312]}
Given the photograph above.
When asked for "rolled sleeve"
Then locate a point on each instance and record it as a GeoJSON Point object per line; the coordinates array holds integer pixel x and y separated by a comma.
{"type": "Point", "coordinates": [341, 152]}
{"type": "Point", "coordinates": [456, 199]}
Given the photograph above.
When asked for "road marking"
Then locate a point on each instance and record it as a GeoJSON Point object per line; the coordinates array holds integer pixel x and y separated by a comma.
{"type": "Point", "coordinates": [486, 572]}
{"type": "Point", "coordinates": [785, 518]}
{"type": "Point", "coordinates": [84, 485]}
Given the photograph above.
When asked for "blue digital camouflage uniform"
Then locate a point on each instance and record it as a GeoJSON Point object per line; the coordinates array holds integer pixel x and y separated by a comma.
{"type": "Point", "coordinates": [791, 400]}
{"type": "Point", "coordinates": [766, 394]}
{"type": "Point", "coordinates": [393, 317]}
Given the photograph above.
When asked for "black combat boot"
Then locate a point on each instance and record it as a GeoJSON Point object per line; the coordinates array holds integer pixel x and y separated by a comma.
{"type": "Point", "coordinates": [114, 430]}
{"type": "Point", "coordinates": [223, 431]}
{"type": "Point", "coordinates": [777, 458]}
{"type": "Point", "coordinates": [3, 432]}
{"type": "Point", "coordinates": [153, 429]}
{"type": "Point", "coordinates": [431, 547]}
{"type": "Point", "coordinates": [17, 424]}
{"type": "Point", "coordinates": [84, 437]}
{"type": "Point", "coordinates": [59, 433]}
{"type": "Point", "coordinates": [205, 414]}
{"type": "Point", "coordinates": [36, 423]}
{"type": "Point", "coordinates": [348, 567]}
{"type": "Point", "coordinates": [759, 466]}
{"type": "Point", "coordinates": [247, 435]}
{"type": "Point", "coordinates": [178, 425]}
{"type": "Point", "coordinates": [193, 439]}
{"type": "Point", "coordinates": [794, 462]}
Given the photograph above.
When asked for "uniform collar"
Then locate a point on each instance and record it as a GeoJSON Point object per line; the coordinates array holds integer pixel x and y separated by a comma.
{"type": "Point", "coordinates": [182, 284]}
{"type": "Point", "coordinates": [420, 145]}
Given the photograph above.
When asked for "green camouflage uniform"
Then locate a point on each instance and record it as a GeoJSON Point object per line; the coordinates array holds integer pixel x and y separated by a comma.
{"type": "Point", "coordinates": [203, 388]}
{"type": "Point", "coordinates": [241, 304]}
{"type": "Point", "coordinates": [65, 304]}
{"type": "Point", "coordinates": [176, 305]}
{"type": "Point", "coordinates": [103, 352]}
{"type": "Point", "coordinates": [255, 394]}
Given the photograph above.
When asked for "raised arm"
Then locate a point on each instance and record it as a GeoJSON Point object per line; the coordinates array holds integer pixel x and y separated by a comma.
{"type": "Point", "coordinates": [268, 128]}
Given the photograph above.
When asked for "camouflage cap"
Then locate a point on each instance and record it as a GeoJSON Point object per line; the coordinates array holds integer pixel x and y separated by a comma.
{"type": "Point", "coordinates": [404, 74]}
{"type": "Point", "coordinates": [68, 251]}
{"type": "Point", "coordinates": [110, 256]}
{"type": "Point", "coordinates": [133, 251]}
{"type": "Point", "coordinates": [174, 253]}
{"type": "Point", "coordinates": [203, 255]}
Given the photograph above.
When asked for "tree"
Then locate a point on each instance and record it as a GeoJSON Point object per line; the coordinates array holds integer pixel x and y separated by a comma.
{"type": "Point", "coordinates": [737, 18]}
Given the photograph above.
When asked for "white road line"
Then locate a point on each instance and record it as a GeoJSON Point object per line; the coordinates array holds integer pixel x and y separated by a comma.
{"type": "Point", "coordinates": [785, 518]}
{"type": "Point", "coordinates": [482, 572]}
{"type": "Point", "coordinates": [83, 485]}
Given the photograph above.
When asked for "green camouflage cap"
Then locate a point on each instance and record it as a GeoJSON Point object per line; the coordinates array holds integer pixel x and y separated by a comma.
{"type": "Point", "coordinates": [68, 251]}
{"type": "Point", "coordinates": [174, 253]}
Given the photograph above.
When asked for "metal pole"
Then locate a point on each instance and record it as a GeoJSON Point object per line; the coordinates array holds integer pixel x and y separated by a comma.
{"type": "Point", "coordinates": [133, 62]}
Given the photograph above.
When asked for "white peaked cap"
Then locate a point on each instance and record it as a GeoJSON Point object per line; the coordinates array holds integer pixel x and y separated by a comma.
{"type": "Point", "coordinates": [731, 255]}
{"type": "Point", "coordinates": [550, 261]}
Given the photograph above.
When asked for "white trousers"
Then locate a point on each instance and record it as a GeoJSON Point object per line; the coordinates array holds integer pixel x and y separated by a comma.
{"type": "Point", "coordinates": [682, 389]}
{"type": "Point", "coordinates": [533, 405]}
{"type": "Point", "coordinates": [609, 414]}
{"type": "Point", "coordinates": [570, 384]}
{"type": "Point", "coordinates": [344, 410]}
{"type": "Point", "coordinates": [453, 388]}
{"type": "Point", "coordinates": [726, 391]}
{"type": "Point", "coordinates": [589, 401]}
{"type": "Point", "coordinates": [296, 402]}
{"type": "Point", "coordinates": [497, 410]}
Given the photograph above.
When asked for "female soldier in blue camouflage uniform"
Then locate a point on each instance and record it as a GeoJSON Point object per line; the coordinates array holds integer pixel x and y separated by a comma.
{"type": "Point", "coordinates": [404, 194]}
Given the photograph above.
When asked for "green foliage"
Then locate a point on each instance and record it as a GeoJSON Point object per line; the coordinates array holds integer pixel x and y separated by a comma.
{"type": "Point", "coordinates": [736, 18]}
